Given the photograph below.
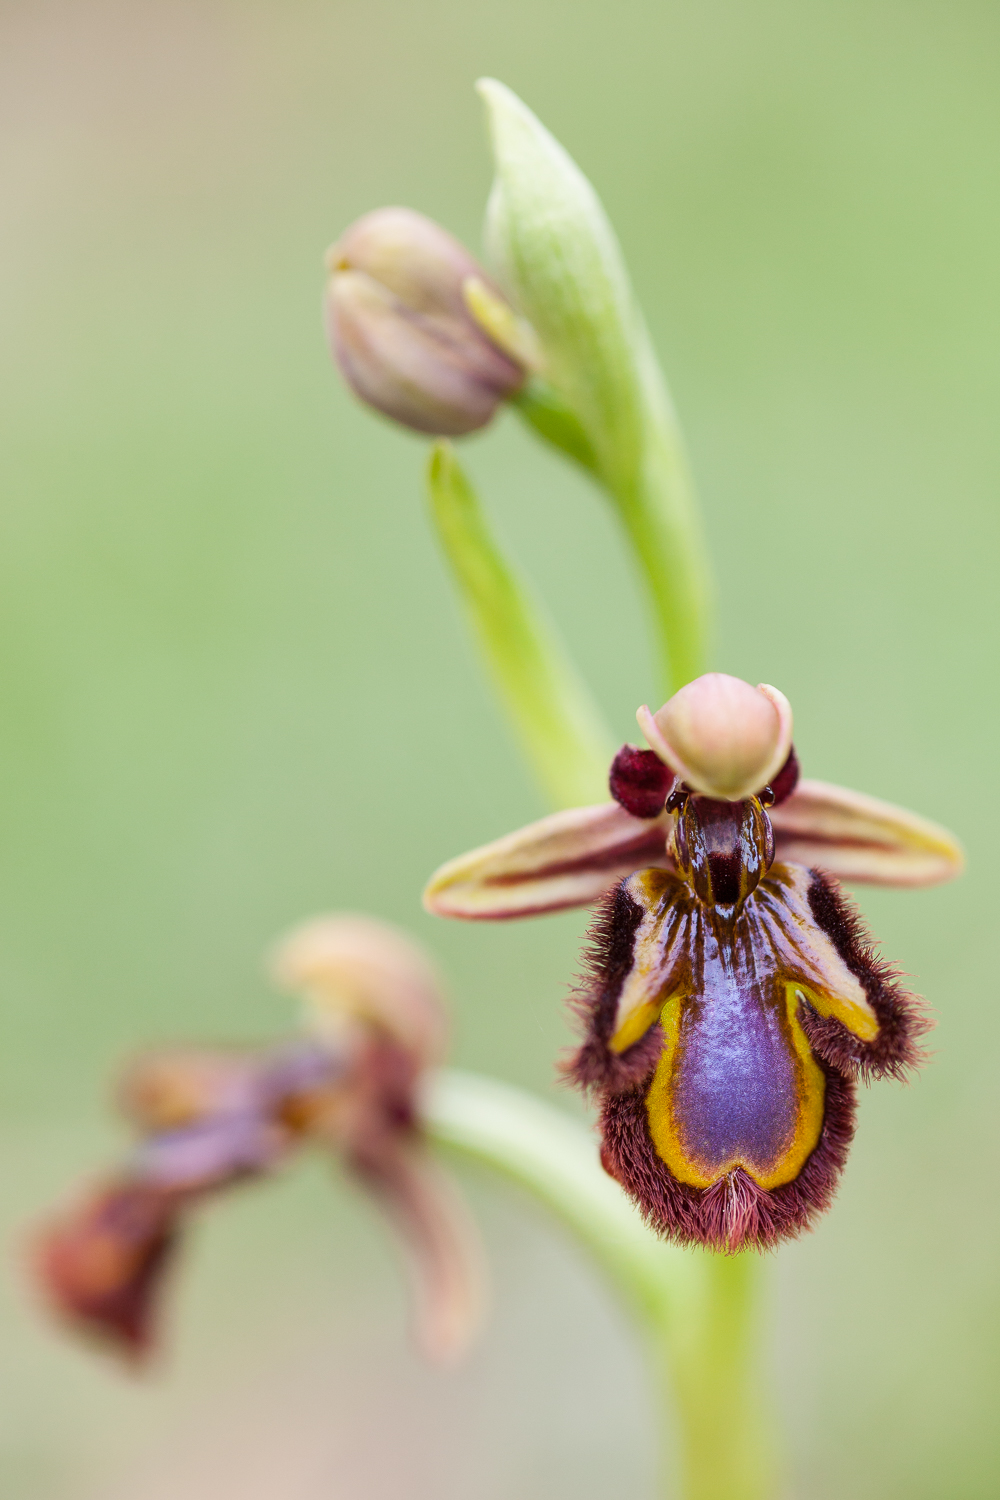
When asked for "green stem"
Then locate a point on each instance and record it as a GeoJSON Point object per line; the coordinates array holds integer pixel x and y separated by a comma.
{"type": "Point", "coordinates": [604, 400]}
{"type": "Point", "coordinates": [658, 510]}
{"type": "Point", "coordinates": [697, 1312]}
{"type": "Point", "coordinates": [710, 1379]}
{"type": "Point", "coordinates": [653, 497]}
{"type": "Point", "coordinates": [559, 727]}
{"type": "Point", "coordinates": [545, 411]}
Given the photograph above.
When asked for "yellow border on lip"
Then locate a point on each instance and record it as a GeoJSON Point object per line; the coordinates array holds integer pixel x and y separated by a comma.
{"type": "Point", "coordinates": [666, 1136]}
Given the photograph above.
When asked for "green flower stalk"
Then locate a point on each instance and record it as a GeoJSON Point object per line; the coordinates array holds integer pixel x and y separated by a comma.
{"type": "Point", "coordinates": [695, 1313]}
{"type": "Point", "coordinates": [422, 334]}
{"type": "Point", "coordinates": [557, 724]}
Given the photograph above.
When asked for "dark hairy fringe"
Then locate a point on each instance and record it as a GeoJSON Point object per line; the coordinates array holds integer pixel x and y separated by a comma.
{"type": "Point", "coordinates": [902, 1017]}
{"type": "Point", "coordinates": [734, 1213]}
{"type": "Point", "coordinates": [607, 959]}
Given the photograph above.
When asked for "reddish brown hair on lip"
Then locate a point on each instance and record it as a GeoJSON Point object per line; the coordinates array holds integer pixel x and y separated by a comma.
{"type": "Point", "coordinates": [735, 1213]}
{"type": "Point", "coordinates": [902, 1017]}
{"type": "Point", "coordinates": [606, 962]}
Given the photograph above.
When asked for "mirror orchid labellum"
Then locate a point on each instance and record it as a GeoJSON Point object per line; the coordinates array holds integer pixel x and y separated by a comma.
{"type": "Point", "coordinates": [733, 996]}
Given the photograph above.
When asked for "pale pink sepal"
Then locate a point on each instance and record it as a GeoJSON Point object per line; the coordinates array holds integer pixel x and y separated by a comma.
{"type": "Point", "coordinates": [440, 1246]}
{"type": "Point", "coordinates": [863, 839]}
{"type": "Point", "coordinates": [568, 859]}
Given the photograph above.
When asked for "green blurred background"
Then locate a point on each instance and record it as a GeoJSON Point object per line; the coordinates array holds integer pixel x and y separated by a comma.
{"type": "Point", "coordinates": [234, 691]}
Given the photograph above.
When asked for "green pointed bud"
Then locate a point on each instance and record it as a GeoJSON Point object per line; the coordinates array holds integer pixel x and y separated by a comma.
{"type": "Point", "coordinates": [403, 332]}
{"type": "Point", "coordinates": [603, 400]}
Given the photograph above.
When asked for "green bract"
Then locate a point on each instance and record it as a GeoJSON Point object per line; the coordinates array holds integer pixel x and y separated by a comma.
{"type": "Point", "coordinates": [556, 720]}
{"type": "Point", "coordinates": [558, 257]}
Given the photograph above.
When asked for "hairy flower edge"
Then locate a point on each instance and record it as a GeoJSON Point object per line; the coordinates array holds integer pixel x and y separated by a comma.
{"type": "Point", "coordinates": [735, 1211]}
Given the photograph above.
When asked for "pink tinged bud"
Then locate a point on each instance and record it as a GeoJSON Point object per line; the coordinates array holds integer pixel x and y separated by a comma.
{"type": "Point", "coordinates": [400, 328]}
{"type": "Point", "coordinates": [721, 736]}
{"type": "Point", "coordinates": [353, 968]}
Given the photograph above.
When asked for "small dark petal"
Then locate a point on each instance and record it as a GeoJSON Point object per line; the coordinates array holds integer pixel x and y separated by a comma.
{"type": "Point", "coordinates": [607, 961]}
{"type": "Point", "coordinates": [787, 779]}
{"type": "Point", "coordinates": [901, 1016]}
{"type": "Point", "coordinates": [639, 781]}
{"type": "Point", "coordinates": [735, 1213]}
{"type": "Point", "coordinates": [102, 1267]}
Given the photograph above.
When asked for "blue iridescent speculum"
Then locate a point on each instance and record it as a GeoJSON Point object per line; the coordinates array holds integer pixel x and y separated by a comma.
{"type": "Point", "coordinates": [733, 997]}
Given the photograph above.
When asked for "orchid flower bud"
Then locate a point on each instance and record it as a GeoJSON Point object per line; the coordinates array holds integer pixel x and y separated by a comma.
{"type": "Point", "coordinates": [401, 327]}
{"type": "Point", "coordinates": [721, 736]}
{"type": "Point", "coordinates": [356, 967]}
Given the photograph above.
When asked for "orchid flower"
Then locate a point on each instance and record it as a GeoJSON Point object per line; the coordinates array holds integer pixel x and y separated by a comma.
{"type": "Point", "coordinates": [733, 995]}
{"type": "Point", "coordinates": [418, 329]}
{"type": "Point", "coordinates": [210, 1120]}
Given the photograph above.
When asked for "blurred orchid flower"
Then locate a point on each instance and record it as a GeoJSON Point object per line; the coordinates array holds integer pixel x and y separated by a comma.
{"type": "Point", "coordinates": [733, 995]}
{"type": "Point", "coordinates": [210, 1120]}
{"type": "Point", "coordinates": [417, 328]}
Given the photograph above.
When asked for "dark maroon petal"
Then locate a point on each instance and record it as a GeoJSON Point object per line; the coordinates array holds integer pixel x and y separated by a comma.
{"type": "Point", "coordinates": [640, 781]}
{"type": "Point", "coordinates": [102, 1267]}
{"type": "Point", "coordinates": [735, 1213]}
{"type": "Point", "coordinates": [901, 1016]}
{"type": "Point", "coordinates": [787, 779]}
